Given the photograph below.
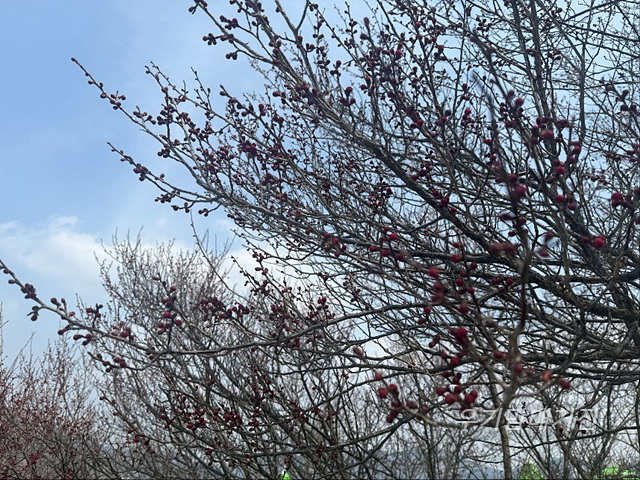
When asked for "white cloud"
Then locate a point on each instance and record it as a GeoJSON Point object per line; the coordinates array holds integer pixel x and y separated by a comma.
{"type": "Point", "coordinates": [59, 260]}
{"type": "Point", "coordinates": [56, 253]}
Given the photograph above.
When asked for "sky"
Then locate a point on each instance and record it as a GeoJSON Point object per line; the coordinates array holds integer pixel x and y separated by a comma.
{"type": "Point", "coordinates": [63, 194]}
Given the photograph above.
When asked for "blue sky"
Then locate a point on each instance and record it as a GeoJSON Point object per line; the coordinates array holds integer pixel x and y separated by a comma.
{"type": "Point", "coordinates": [62, 191]}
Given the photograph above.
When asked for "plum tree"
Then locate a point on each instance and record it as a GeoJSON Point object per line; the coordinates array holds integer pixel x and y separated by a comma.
{"type": "Point", "coordinates": [51, 427]}
{"type": "Point", "coordinates": [442, 201]}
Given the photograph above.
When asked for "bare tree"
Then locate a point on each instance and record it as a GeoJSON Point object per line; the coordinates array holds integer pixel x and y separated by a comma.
{"type": "Point", "coordinates": [215, 394]}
